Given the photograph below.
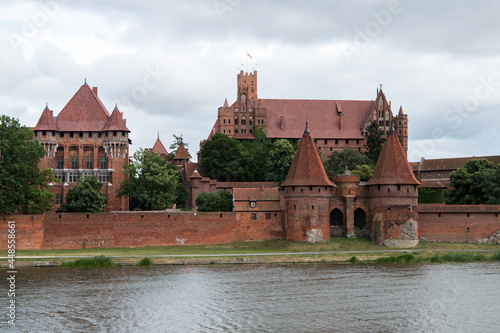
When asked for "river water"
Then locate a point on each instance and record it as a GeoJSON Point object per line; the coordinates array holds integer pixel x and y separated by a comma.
{"type": "Point", "coordinates": [259, 298]}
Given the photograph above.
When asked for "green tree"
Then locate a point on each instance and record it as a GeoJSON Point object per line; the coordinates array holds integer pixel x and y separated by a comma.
{"type": "Point", "coordinates": [279, 160]}
{"type": "Point", "coordinates": [23, 186]}
{"type": "Point", "coordinates": [430, 195]}
{"type": "Point", "coordinates": [364, 171]}
{"type": "Point", "coordinates": [374, 142]}
{"type": "Point", "coordinates": [85, 197]}
{"type": "Point", "coordinates": [177, 141]}
{"type": "Point", "coordinates": [224, 159]}
{"type": "Point", "coordinates": [491, 186]}
{"type": "Point", "coordinates": [336, 163]}
{"type": "Point", "coordinates": [151, 180]}
{"type": "Point", "coordinates": [468, 183]}
{"type": "Point", "coordinates": [220, 201]}
{"type": "Point", "coordinates": [255, 154]}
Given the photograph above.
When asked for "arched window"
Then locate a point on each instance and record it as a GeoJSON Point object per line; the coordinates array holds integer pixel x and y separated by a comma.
{"type": "Point", "coordinates": [359, 218]}
{"type": "Point", "coordinates": [243, 120]}
{"type": "Point", "coordinates": [236, 120]}
{"type": "Point", "coordinates": [250, 121]}
{"type": "Point", "coordinates": [336, 218]}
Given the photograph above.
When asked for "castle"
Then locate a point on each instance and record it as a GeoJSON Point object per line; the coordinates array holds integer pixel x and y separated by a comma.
{"type": "Point", "coordinates": [335, 124]}
{"type": "Point", "coordinates": [84, 139]}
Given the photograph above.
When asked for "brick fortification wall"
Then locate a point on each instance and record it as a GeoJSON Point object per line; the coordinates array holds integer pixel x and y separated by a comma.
{"type": "Point", "coordinates": [459, 224]}
{"type": "Point", "coordinates": [131, 229]}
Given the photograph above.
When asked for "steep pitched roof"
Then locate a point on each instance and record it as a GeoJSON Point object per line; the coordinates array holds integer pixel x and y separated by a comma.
{"type": "Point", "coordinates": [46, 121]}
{"type": "Point", "coordinates": [306, 168]}
{"type": "Point", "coordinates": [323, 117]}
{"type": "Point", "coordinates": [181, 153]}
{"type": "Point", "coordinates": [392, 166]}
{"type": "Point", "coordinates": [115, 122]}
{"type": "Point", "coordinates": [159, 148]}
{"type": "Point", "coordinates": [454, 163]}
{"type": "Point", "coordinates": [84, 112]}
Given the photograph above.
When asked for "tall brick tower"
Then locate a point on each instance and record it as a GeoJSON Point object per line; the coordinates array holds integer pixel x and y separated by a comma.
{"type": "Point", "coordinates": [307, 195]}
{"type": "Point", "coordinates": [401, 127]}
{"type": "Point", "coordinates": [393, 197]}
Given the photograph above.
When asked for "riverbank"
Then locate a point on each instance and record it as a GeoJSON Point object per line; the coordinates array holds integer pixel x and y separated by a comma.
{"type": "Point", "coordinates": [337, 250]}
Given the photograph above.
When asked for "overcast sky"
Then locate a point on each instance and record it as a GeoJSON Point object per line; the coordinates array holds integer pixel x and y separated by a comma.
{"type": "Point", "coordinates": [170, 64]}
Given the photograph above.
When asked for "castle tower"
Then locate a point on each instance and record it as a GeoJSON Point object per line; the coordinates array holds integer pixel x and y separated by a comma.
{"type": "Point", "coordinates": [247, 84]}
{"type": "Point", "coordinates": [393, 196]}
{"type": "Point", "coordinates": [47, 134]}
{"type": "Point", "coordinates": [181, 159]}
{"type": "Point", "coordinates": [401, 127]}
{"type": "Point", "coordinates": [307, 195]}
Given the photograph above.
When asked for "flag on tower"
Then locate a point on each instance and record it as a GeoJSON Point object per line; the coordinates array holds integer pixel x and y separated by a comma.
{"type": "Point", "coordinates": [248, 54]}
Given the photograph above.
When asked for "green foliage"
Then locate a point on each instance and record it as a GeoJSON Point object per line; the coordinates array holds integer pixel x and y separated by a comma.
{"type": "Point", "coordinates": [430, 195]}
{"type": "Point", "coordinates": [402, 258]}
{"type": "Point", "coordinates": [255, 156]}
{"type": "Point", "coordinates": [94, 262]}
{"type": "Point", "coordinates": [153, 182]}
{"type": "Point", "coordinates": [279, 160]}
{"type": "Point", "coordinates": [146, 262]}
{"type": "Point", "coordinates": [335, 163]}
{"type": "Point", "coordinates": [364, 171]}
{"type": "Point", "coordinates": [469, 184]}
{"type": "Point", "coordinates": [177, 141]}
{"type": "Point", "coordinates": [491, 186]}
{"type": "Point", "coordinates": [496, 256]}
{"type": "Point", "coordinates": [374, 142]}
{"type": "Point", "coordinates": [85, 197]}
{"type": "Point", "coordinates": [224, 159]}
{"type": "Point", "coordinates": [23, 187]}
{"type": "Point", "coordinates": [220, 201]}
{"type": "Point", "coordinates": [353, 260]}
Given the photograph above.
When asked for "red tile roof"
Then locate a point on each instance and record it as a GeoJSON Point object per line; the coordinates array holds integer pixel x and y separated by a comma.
{"type": "Point", "coordinates": [115, 122]}
{"type": "Point", "coordinates": [84, 112]}
{"type": "Point", "coordinates": [453, 163]}
{"type": "Point", "coordinates": [181, 153]}
{"type": "Point", "coordinates": [256, 194]}
{"type": "Point", "coordinates": [46, 121]}
{"type": "Point", "coordinates": [306, 168]}
{"type": "Point", "coordinates": [159, 148]}
{"type": "Point", "coordinates": [323, 117]}
{"type": "Point", "coordinates": [392, 166]}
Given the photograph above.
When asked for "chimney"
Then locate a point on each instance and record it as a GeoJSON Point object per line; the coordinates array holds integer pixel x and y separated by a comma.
{"type": "Point", "coordinates": [341, 121]}
{"type": "Point", "coordinates": [282, 123]}
{"type": "Point", "coordinates": [94, 89]}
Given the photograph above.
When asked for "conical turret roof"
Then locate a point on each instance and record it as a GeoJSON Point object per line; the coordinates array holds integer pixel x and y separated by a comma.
{"type": "Point", "coordinates": [181, 153]}
{"type": "Point", "coordinates": [115, 122]}
{"type": "Point", "coordinates": [306, 168]}
{"type": "Point", "coordinates": [392, 166]}
{"type": "Point", "coordinates": [159, 147]}
{"type": "Point", "coordinates": [46, 121]}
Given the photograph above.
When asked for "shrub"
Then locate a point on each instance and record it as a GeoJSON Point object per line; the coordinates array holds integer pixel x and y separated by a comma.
{"type": "Point", "coordinates": [94, 262]}
{"type": "Point", "coordinates": [496, 256]}
{"type": "Point", "coordinates": [146, 262]}
{"type": "Point", "coordinates": [353, 259]}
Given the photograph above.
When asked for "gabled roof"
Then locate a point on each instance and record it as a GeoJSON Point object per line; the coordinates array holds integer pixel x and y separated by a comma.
{"type": "Point", "coordinates": [83, 112]}
{"type": "Point", "coordinates": [115, 122]}
{"type": "Point", "coordinates": [453, 163]}
{"type": "Point", "coordinates": [392, 166]}
{"type": "Point", "coordinates": [181, 153]}
{"type": "Point", "coordinates": [159, 148]}
{"type": "Point", "coordinates": [46, 121]}
{"type": "Point", "coordinates": [306, 168]}
{"type": "Point", "coordinates": [323, 117]}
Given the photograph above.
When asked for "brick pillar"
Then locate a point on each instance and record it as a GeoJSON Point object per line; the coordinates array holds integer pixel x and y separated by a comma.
{"type": "Point", "coordinates": [349, 216]}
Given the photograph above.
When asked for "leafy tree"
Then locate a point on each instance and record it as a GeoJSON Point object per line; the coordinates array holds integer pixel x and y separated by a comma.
{"type": "Point", "coordinates": [220, 201]}
{"type": "Point", "coordinates": [364, 171]}
{"type": "Point", "coordinates": [336, 163]}
{"type": "Point", "coordinates": [152, 181]}
{"type": "Point", "coordinates": [430, 195]}
{"type": "Point", "coordinates": [85, 197]}
{"type": "Point", "coordinates": [491, 186]}
{"type": "Point", "coordinates": [23, 187]}
{"type": "Point", "coordinates": [176, 143]}
{"type": "Point", "coordinates": [255, 153]}
{"type": "Point", "coordinates": [374, 142]}
{"type": "Point", "coordinates": [468, 183]}
{"type": "Point", "coordinates": [279, 160]}
{"type": "Point", "coordinates": [224, 159]}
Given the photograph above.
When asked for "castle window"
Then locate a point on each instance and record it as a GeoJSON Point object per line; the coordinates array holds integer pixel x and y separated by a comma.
{"type": "Point", "coordinates": [253, 204]}
{"type": "Point", "coordinates": [103, 176]}
{"type": "Point", "coordinates": [347, 141]}
{"type": "Point", "coordinates": [387, 123]}
{"type": "Point", "coordinates": [60, 175]}
{"type": "Point", "coordinates": [439, 214]}
{"type": "Point", "coordinates": [74, 163]}
{"type": "Point", "coordinates": [90, 163]}
{"type": "Point", "coordinates": [59, 199]}
{"type": "Point", "coordinates": [252, 89]}
{"type": "Point", "coordinates": [310, 188]}
{"type": "Point", "coordinates": [74, 176]}
{"type": "Point", "coordinates": [224, 131]}
{"type": "Point", "coordinates": [71, 134]}
{"type": "Point", "coordinates": [254, 216]}
{"type": "Point", "coordinates": [243, 121]}
{"type": "Point", "coordinates": [229, 131]}
{"type": "Point", "coordinates": [250, 121]}
{"type": "Point", "coordinates": [235, 131]}
{"type": "Point", "coordinates": [301, 190]}
{"type": "Point", "coordinates": [357, 141]}
{"type": "Point", "coordinates": [229, 121]}
{"type": "Point", "coordinates": [336, 141]}
{"type": "Point", "coordinates": [114, 133]}
{"type": "Point", "coordinates": [224, 121]}
{"type": "Point", "coordinates": [99, 134]}
{"type": "Point", "coordinates": [399, 187]}
{"type": "Point", "coordinates": [103, 163]}
{"type": "Point", "coordinates": [399, 123]}
{"type": "Point", "coordinates": [250, 131]}
{"type": "Point", "coordinates": [294, 207]}
{"type": "Point", "coordinates": [60, 163]}
{"type": "Point", "coordinates": [400, 132]}
{"type": "Point", "coordinates": [268, 216]}
{"type": "Point", "coordinates": [326, 141]}
{"type": "Point", "coordinates": [312, 207]}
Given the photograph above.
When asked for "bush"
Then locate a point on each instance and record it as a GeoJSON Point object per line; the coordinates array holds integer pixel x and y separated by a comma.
{"type": "Point", "coordinates": [146, 262]}
{"type": "Point", "coordinates": [353, 260]}
{"type": "Point", "coordinates": [403, 259]}
{"type": "Point", "coordinates": [496, 256]}
{"type": "Point", "coordinates": [220, 201]}
{"type": "Point", "coordinates": [94, 262]}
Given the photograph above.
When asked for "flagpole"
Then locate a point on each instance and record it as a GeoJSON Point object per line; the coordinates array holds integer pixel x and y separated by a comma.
{"type": "Point", "coordinates": [247, 61]}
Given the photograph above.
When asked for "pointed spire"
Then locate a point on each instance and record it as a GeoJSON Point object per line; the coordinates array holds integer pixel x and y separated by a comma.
{"type": "Point", "coordinates": [85, 82]}
{"type": "Point", "coordinates": [47, 106]}
{"type": "Point", "coordinates": [46, 121]}
{"type": "Point", "coordinates": [116, 107]}
{"type": "Point", "coordinates": [181, 153]}
{"type": "Point", "coordinates": [400, 111]}
{"type": "Point", "coordinates": [392, 166]}
{"type": "Point", "coordinates": [115, 122]}
{"type": "Point", "coordinates": [226, 105]}
{"type": "Point", "coordinates": [306, 168]}
{"type": "Point", "coordinates": [307, 128]}
{"type": "Point", "coordinates": [158, 147]}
